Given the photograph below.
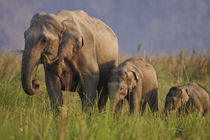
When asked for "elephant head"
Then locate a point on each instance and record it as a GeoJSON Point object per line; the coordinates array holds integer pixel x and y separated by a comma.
{"type": "Point", "coordinates": [175, 99]}
{"type": "Point", "coordinates": [120, 84]}
{"type": "Point", "coordinates": [47, 34]}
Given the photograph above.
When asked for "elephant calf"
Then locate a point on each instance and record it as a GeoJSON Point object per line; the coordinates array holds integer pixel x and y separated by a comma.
{"type": "Point", "coordinates": [187, 97]}
{"type": "Point", "coordinates": [136, 81]}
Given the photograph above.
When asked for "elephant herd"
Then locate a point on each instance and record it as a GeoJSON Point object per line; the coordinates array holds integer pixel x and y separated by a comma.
{"type": "Point", "coordinates": [80, 54]}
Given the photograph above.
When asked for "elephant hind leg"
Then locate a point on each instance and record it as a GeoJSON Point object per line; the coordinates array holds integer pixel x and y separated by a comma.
{"type": "Point", "coordinates": [103, 96]}
{"type": "Point", "coordinates": [142, 107]}
{"type": "Point", "coordinates": [89, 87]}
{"type": "Point", "coordinates": [153, 100]}
{"type": "Point", "coordinates": [103, 84]}
{"type": "Point", "coordinates": [207, 113]}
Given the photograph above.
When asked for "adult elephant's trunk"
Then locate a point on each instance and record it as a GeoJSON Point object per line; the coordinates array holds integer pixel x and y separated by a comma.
{"type": "Point", "coordinates": [29, 61]}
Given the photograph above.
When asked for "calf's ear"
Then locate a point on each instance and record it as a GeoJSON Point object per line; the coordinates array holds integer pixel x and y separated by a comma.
{"type": "Point", "coordinates": [133, 74]}
{"type": "Point", "coordinates": [132, 79]}
{"type": "Point", "coordinates": [185, 96]}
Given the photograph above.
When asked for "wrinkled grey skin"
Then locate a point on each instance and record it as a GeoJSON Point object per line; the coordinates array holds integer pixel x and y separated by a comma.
{"type": "Point", "coordinates": [81, 50]}
{"type": "Point", "coordinates": [189, 97]}
{"type": "Point", "coordinates": [136, 81]}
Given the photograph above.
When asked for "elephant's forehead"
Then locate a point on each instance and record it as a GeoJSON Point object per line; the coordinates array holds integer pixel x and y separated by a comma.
{"type": "Point", "coordinates": [173, 97]}
{"type": "Point", "coordinates": [116, 84]}
{"type": "Point", "coordinates": [42, 30]}
{"type": "Point", "coordinates": [120, 72]}
{"type": "Point", "coordinates": [49, 34]}
{"type": "Point", "coordinates": [118, 76]}
{"type": "Point", "coordinates": [113, 84]}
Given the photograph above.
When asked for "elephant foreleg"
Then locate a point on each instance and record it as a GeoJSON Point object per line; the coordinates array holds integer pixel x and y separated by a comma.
{"type": "Point", "coordinates": [133, 101]}
{"type": "Point", "coordinates": [53, 85]}
{"type": "Point", "coordinates": [153, 100]}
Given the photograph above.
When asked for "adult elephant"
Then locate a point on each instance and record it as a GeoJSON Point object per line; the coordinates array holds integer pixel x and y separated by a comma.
{"type": "Point", "coordinates": [80, 51]}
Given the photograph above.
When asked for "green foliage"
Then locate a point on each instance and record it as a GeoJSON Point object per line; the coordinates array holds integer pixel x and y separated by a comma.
{"type": "Point", "coordinates": [44, 58]}
{"type": "Point", "coordinates": [139, 47]}
{"type": "Point", "coordinates": [25, 117]}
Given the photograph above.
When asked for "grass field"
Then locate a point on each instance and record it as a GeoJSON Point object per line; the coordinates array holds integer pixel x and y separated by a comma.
{"type": "Point", "coordinates": [24, 117]}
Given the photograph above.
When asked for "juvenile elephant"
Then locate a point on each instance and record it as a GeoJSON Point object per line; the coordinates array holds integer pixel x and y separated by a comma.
{"type": "Point", "coordinates": [187, 97]}
{"type": "Point", "coordinates": [136, 81]}
{"type": "Point", "coordinates": [80, 52]}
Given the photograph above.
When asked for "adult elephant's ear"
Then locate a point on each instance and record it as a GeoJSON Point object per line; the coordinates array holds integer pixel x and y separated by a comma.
{"type": "Point", "coordinates": [71, 39]}
{"type": "Point", "coordinates": [185, 96]}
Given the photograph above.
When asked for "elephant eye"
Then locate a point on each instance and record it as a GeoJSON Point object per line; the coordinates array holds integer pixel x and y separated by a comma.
{"type": "Point", "coordinates": [43, 40]}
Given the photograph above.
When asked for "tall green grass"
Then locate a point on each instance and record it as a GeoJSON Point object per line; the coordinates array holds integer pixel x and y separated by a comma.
{"type": "Point", "coordinates": [30, 117]}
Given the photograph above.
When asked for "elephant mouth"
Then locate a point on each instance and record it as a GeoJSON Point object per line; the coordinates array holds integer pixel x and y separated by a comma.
{"type": "Point", "coordinates": [46, 61]}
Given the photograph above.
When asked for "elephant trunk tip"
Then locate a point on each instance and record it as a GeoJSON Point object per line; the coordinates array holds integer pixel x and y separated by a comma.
{"type": "Point", "coordinates": [113, 111]}
{"type": "Point", "coordinates": [35, 87]}
{"type": "Point", "coordinates": [36, 84]}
